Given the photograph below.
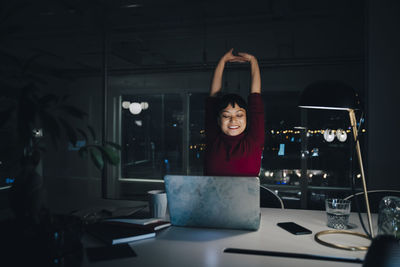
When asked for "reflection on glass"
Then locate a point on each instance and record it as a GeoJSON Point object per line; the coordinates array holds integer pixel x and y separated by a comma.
{"type": "Point", "coordinates": [281, 162]}
{"type": "Point", "coordinates": [167, 136]}
{"type": "Point", "coordinates": [335, 154]}
{"type": "Point", "coordinates": [328, 162]}
{"type": "Point", "coordinates": [152, 138]}
{"type": "Point", "coordinates": [196, 133]}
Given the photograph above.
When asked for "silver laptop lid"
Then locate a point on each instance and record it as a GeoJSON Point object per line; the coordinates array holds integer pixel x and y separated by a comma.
{"type": "Point", "coordinates": [214, 201]}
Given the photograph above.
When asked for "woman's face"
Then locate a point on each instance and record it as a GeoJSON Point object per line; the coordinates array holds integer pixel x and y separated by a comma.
{"type": "Point", "coordinates": [232, 120]}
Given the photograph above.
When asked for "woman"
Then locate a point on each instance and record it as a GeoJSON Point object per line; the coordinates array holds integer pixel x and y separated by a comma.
{"type": "Point", "coordinates": [234, 130]}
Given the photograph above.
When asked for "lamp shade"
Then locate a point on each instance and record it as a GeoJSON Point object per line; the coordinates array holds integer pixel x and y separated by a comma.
{"type": "Point", "coordinates": [329, 95]}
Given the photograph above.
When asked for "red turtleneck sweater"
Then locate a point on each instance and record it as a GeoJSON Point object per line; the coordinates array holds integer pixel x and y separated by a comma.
{"type": "Point", "coordinates": [235, 155]}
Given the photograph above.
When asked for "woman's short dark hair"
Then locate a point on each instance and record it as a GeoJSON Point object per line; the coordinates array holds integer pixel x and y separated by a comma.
{"type": "Point", "coordinates": [232, 99]}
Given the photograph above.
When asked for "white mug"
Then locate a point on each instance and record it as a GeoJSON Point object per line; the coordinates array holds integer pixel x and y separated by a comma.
{"type": "Point", "coordinates": [157, 203]}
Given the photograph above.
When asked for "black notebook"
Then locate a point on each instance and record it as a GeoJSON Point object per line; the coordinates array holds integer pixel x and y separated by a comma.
{"type": "Point", "coordinates": [113, 234]}
{"type": "Point", "coordinates": [149, 223]}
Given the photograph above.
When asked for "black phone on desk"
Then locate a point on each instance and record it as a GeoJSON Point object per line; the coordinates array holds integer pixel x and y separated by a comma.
{"type": "Point", "coordinates": [294, 228]}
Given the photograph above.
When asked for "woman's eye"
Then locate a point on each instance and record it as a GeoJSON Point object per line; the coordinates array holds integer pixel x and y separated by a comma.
{"type": "Point", "coordinates": [225, 116]}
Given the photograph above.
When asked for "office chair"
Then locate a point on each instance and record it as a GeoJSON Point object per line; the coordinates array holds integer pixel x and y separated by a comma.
{"type": "Point", "coordinates": [269, 199]}
{"type": "Point", "coordinates": [375, 196]}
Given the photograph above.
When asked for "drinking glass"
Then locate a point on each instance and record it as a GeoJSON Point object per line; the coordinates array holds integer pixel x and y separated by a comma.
{"type": "Point", "coordinates": [338, 212]}
{"type": "Point", "coordinates": [389, 216]}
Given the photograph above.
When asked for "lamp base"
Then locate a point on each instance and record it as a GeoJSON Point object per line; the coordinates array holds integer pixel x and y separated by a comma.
{"type": "Point", "coordinates": [340, 246]}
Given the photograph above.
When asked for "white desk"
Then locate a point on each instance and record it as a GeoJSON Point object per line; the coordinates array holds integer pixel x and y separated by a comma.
{"type": "Point", "coordinates": [192, 247]}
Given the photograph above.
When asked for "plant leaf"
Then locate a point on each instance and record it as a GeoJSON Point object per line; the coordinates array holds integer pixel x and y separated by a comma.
{"type": "Point", "coordinates": [13, 10]}
{"type": "Point", "coordinates": [83, 152]}
{"type": "Point", "coordinates": [83, 133]}
{"type": "Point", "coordinates": [111, 155]}
{"type": "Point", "coordinates": [45, 101]}
{"type": "Point", "coordinates": [97, 158]}
{"type": "Point", "coordinates": [26, 115]}
{"type": "Point", "coordinates": [34, 78]}
{"type": "Point", "coordinates": [114, 145]}
{"type": "Point", "coordinates": [50, 126]}
{"type": "Point", "coordinates": [29, 62]}
{"type": "Point", "coordinates": [73, 111]}
{"type": "Point", "coordinates": [28, 90]}
{"type": "Point", "coordinates": [92, 132]}
{"type": "Point", "coordinates": [69, 130]}
{"type": "Point", "coordinates": [64, 98]}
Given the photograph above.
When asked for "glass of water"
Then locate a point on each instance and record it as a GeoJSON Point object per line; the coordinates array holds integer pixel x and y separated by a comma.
{"type": "Point", "coordinates": [338, 212]}
{"type": "Point", "coordinates": [389, 216]}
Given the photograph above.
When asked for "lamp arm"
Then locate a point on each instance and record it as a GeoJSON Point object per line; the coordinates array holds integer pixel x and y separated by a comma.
{"type": "Point", "coordinates": [353, 123]}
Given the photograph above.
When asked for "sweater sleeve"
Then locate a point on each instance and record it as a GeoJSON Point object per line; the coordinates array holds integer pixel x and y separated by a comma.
{"type": "Point", "coordinates": [211, 126]}
{"type": "Point", "coordinates": [256, 128]}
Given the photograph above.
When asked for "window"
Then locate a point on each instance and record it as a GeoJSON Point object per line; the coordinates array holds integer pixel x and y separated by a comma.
{"type": "Point", "coordinates": [166, 136]}
{"type": "Point", "coordinates": [295, 147]}
{"type": "Point", "coordinates": [152, 138]}
{"type": "Point", "coordinates": [196, 133]}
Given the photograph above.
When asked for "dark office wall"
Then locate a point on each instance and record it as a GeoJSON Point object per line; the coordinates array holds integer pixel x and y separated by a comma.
{"type": "Point", "coordinates": [383, 79]}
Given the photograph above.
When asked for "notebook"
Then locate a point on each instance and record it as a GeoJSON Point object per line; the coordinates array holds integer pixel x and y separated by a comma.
{"type": "Point", "coordinates": [113, 234]}
{"type": "Point", "coordinates": [213, 201]}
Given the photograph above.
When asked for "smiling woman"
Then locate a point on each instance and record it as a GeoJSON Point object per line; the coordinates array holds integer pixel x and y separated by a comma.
{"type": "Point", "coordinates": [232, 114]}
{"type": "Point", "coordinates": [234, 131]}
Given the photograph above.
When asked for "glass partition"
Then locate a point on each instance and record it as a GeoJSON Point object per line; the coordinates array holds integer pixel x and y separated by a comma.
{"type": "Point", "coordinates": [196, 133]}
{"type": "Point", "coordinates": [151, 136]}
{"type": "Point", "coordinates": [304, 159]}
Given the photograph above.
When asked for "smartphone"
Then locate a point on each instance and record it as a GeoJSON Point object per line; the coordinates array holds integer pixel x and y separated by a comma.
{"type": "Point", "coordinates": [294, 228]}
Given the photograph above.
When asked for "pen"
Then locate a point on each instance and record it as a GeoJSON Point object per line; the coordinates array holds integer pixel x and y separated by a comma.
{"type": "Point", "coordinates": [291, 255]}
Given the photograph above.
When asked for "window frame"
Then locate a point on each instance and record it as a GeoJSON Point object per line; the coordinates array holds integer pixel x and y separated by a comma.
{"type": "Point", "coordinates": [135, 188]}
{"type": "Point", "coordinates": [114, 185]}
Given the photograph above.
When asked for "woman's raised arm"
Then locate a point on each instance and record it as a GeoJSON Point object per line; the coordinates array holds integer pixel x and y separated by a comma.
{"type": "Point", "coordinates": [216, 83]}
{"type": "Point", "coordinates": [255, 72]}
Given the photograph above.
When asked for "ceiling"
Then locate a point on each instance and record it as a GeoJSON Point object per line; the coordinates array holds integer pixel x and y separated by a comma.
{"type": "Point", "coordinates": [66, 38]}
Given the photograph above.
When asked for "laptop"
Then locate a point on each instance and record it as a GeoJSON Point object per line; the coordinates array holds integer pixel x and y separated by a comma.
{"type": "Point", "coordinates": [214, 201]}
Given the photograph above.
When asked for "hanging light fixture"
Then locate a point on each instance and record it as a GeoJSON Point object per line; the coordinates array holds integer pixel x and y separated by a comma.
{"type": "Point", "coordinates": [341, 135]}
{"type": "Point", "coordinates": [135, 108]}
{"type": "Point", "coordinates": [125, 104]}
{"type": "Point", "coordinates": [329, 135]}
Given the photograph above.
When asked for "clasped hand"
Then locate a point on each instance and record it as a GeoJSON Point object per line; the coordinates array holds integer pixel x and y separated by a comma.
{"type": "Point", "coordinates": [241, 57]}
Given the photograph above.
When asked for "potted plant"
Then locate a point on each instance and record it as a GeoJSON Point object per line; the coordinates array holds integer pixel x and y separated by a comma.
{"type": "Point", "coordinates": [32, 115]}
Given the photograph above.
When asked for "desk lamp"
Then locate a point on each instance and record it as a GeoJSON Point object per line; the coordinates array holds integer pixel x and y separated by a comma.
{"type": "Point", "coordinates": [335, 95]}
